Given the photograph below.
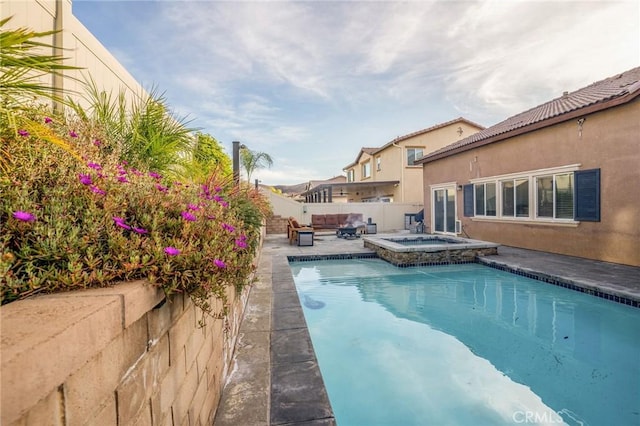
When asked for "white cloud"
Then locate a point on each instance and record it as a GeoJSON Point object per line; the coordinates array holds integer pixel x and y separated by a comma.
{"type": "Point", "coordinates": [512, 56]}
{"type": "Point", "coordinates": [310, 83]}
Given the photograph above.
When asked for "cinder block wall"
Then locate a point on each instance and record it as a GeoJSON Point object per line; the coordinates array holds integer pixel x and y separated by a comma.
{"type": "Point", "coordinates": [277, 225]}
{"type": "Point", "coordinates": [118, 356]}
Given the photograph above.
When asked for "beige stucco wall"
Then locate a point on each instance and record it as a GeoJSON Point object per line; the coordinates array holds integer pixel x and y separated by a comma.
{"type": "Point", "coordinates": [393, 163]}
{"type": "Point", "coordinates": [80, 47]}
{"type": "Point", "coordinates": [609, 140]}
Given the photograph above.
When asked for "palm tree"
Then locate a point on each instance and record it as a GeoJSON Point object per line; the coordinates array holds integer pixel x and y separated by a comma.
{"type": "Point", "coordinates": [23, 66]}
{"type": "Point", "coordinates": [147, 133]}
{"type": "Point", "coordinates": [253, 160]}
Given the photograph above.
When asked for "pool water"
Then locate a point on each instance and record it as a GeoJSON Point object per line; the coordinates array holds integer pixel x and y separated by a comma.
{"type": "Point", "coordinates": [467, 345]}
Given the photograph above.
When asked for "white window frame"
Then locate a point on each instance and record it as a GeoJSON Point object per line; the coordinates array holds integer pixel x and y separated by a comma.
{"type": "Point", "coordinates": [350, 175]}
{"type": "Point", "coordinates": [366, 167]}
{"type": "Point", "coordinates": [495, 195]}
{"type": "Point", "coordinates": [532, 176]}
{"type": "Point", "coordinates": [415, 158]}
{"type": "Point", "coordinates": [554, 193]}
{"type": "Point", "coordinates": [378, 163]}
{"type": "Point", "coordinates": [449, 187]}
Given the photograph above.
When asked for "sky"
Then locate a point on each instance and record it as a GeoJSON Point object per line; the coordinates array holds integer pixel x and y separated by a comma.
{"type": "Point", "coordinates": [312, 82]}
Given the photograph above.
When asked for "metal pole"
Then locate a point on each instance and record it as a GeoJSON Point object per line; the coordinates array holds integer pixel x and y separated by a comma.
{"type": "Point", "coordinates": [236, 163]}
{"type": "Point", "coordinates": [256, 183]}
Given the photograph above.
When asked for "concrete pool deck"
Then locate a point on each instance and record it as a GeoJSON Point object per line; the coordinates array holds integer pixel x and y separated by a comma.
{"type": "Point", "coordinates": [276, 380]}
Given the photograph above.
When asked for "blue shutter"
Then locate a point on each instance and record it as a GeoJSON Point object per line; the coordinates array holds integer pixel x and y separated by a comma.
{"type": "Point", "coordinates": [587, 196]}
{"type": "Point", "coordinates": [468, 200]}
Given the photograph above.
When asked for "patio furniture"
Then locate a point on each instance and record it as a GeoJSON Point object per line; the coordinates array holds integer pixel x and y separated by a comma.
{"type": "Point", "coordinates": [335, 220]}
{"type": "Point", "coordinates": [294, 229]}
{"type": "Point", "coordinates": [347, 232]}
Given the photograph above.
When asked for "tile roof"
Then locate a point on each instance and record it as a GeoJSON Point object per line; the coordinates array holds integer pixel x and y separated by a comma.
{"type": "Point", "coordinates": [427, 130]}
{"type": "Point", "coordinates": [369, 151]}
{"type": "Point", "coordinates": [597, 96]}
{"type": "Point", "coordinates": [373, 151]}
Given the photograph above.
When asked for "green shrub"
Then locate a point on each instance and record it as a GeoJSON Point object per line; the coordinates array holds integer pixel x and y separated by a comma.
{"type": "Point", "coordinates": [73, 216]}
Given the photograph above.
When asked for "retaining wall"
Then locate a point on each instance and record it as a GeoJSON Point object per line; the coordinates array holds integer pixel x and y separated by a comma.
{"type": "Point", "coordinates": [116, 356]}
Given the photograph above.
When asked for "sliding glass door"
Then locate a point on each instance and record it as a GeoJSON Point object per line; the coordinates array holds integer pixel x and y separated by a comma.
{"type": "Point", "coordinates": [444, 210]}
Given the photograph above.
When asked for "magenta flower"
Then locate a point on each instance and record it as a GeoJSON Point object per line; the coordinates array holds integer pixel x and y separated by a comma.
{"type": "Point", "coordinates": [23, 132]}
{"type": "Point", "coordinates": [73, 134]}
{"type": "Point", "coordinates": [218, 198]}
{"type": "Point", "coordinates": [122, 171]}
{"type": "Point", "coordinates": [241, 243]}
{"type": "Point", "coordinates": [94, 166]}
{"type": "Point", "coordinates": [24, 216]}
{"type": "Point", "coordinates": [224, 204]}
{"type": "Point", "coordinates": [136, 172]}
{"type": "Point", "coordinates": [217, 189]}
{"type": "Point", "coordinates": [47, 120]}
{"type": "Point", "coordinates": [140, 230]}
{"type": "Point", "coordinates": [219, 263]}
{"type": "Point", "coordinates": [123, 179]}
{"type": "Point", "coordinates": [228, 227]}
{"type": "Point", "coordinates": [97, 190]}
{"type": "Point", "coordinates": [85, 179]}
{"type": "Point", "coordinates": [155, 175]}
{"type": "Point", "coordinates": [97, 142]}
{"type": "Point", "coordinates": [120, 222]}
{"type": "Point", "coordinates": [122, 225]}
{"type": "Point", "coordinates": [193, 207]}
{"type": "Point", "coordinates": [171, 251]}
{"type": "Point", "coordinates": [188, 216]}
{"type": "Point", "coordinates": [161, 188]}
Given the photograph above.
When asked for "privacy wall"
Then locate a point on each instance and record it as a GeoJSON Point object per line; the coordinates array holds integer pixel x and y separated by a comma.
{"type": "Point", "coordinates": [74, 42]}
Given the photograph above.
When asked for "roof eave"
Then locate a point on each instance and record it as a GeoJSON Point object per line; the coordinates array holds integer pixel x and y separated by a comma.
{"type": "Point", "coordinates": [535, 126]}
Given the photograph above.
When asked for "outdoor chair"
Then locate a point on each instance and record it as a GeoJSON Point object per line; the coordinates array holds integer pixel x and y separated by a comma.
{"type": "Point", "coordinates": [293, 228]}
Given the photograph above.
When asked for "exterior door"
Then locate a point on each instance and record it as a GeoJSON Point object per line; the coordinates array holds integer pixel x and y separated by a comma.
{"type": "Point", "coordinates": [444, 210]}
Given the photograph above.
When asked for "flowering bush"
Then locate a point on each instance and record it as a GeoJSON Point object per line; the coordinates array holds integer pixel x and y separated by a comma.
{"type": "Point", "coordinates": [73, 216]}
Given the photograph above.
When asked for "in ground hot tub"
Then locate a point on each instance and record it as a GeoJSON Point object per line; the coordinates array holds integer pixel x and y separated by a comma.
{"type": "Point", "coordinates": [423, 249]}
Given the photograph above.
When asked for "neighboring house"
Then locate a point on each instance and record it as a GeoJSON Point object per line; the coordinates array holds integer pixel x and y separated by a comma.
{"type": "Point", "coordinates": [563, 177]}
{"type": "Point", "coordinates": [389, 173]}
{"type": "Point", "coordinates": [326, 191]}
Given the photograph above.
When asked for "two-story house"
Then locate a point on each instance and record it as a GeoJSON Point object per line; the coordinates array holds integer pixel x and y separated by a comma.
{"type": "Point", "coordinates": [390, 173]}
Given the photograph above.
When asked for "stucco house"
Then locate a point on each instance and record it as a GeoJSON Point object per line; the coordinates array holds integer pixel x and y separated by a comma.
{"type": "Point", "coordinates": [390, 173]}
{"type": "Point", "coordinates": [563, 177]}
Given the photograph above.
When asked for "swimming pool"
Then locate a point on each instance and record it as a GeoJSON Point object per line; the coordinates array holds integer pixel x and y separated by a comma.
{"type": "Point", "coordinates": [467, 344]}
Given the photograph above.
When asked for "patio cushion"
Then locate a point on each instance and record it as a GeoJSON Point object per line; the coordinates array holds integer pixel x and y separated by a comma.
{"type": "Point", "coordinates": [317, 219]}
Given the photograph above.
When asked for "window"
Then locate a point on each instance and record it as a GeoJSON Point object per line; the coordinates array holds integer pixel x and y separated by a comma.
{"type": "Point", "coordinates": [413, 154]}
{"type": "Point", "coordinates": [350, 177]}
{"type": "Point", "coordinates": [366, 169]}
{"type": "Point", "coordinates": [515, 197]}
{"type": "Point", "coordinates": [558, 194]}
{"type": "Point", "coordinates": [378, 163]}
{"type": "Point", "coordinates": [485, 199]}
{"type": "Point", "coordinates": [554, 196]}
